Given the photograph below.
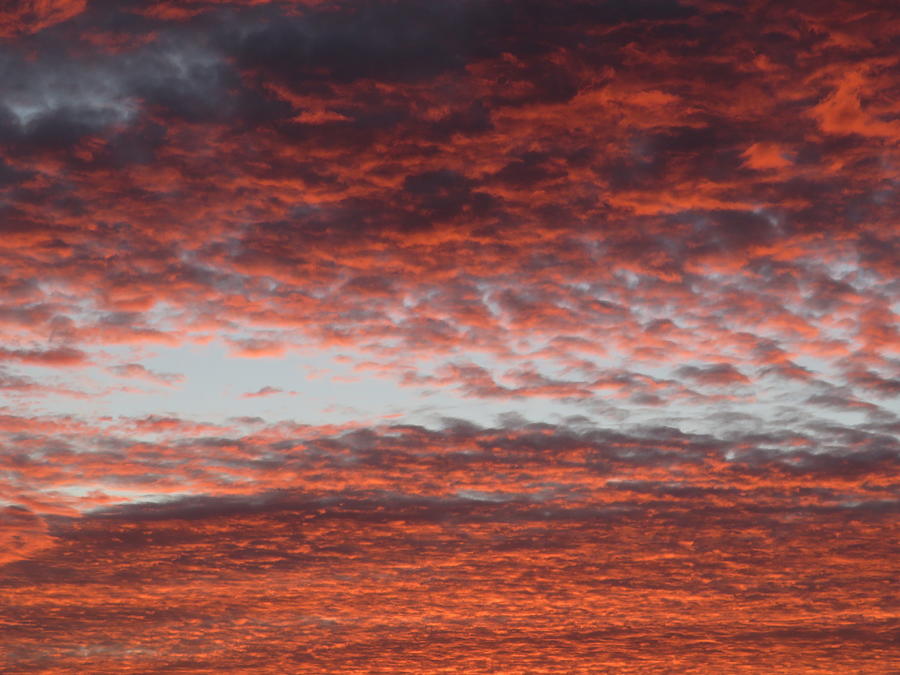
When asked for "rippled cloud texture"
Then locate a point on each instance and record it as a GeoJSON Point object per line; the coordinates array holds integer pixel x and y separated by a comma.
{"type": "Point", "coordinates": [399, 336]}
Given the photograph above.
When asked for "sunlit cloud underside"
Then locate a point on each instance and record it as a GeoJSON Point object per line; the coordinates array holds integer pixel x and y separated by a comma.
{"type": "Point", "coordinates": [476, 336]}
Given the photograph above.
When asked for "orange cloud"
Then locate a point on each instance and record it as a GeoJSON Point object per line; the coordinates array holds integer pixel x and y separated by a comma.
{"type": "Point", "coordinates": [665, 232]}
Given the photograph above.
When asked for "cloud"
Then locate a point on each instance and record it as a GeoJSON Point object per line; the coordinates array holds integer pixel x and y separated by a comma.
{"type": "Point", "coordinates": [33, 16]}
{"type": "Point", "coordinates": [683, 527]}
{"type": "Point", "coordinates": [58, 356]}
{"type": "Point", "coordinates": [716, 374]}
{"type": "Point", "coordinates": [22, 534]}
{"type": "Point", "coordinates": [136, 370]}
{"type": "Point", "coordinates": [663, 231]}
{"type": "Point", "coordinates": [257, 348]}
{"type": "Point", "coordinates": [267, 391]}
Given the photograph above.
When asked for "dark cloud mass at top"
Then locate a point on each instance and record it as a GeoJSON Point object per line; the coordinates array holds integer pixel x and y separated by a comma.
{"type": "Point", "coordinates": [657, 241]}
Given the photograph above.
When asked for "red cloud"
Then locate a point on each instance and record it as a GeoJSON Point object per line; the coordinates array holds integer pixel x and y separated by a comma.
{"type": "Point", "coordinates": [22, 534]}
{"type": "Point", "coordinates": [267, 391]}
{"type": "Point", "coordinates": [57, 356]}
{"type": "Point", "coordinates": [31, 16]}
{"type": "Point", "coordinates": [511, 508]}
{"type": "Point", "coordinates": [659, 216]}
{"type": "Point", "coordinates": [136, 370]}
{"type": "Point", "coordinates": [257, 348]}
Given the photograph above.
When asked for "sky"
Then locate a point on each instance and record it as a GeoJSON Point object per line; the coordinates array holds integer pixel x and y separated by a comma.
{"type": "Point", "coordinates": [471, 336]}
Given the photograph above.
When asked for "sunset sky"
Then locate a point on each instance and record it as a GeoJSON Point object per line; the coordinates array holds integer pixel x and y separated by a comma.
{"type": "Point", "coordinates": [450, 336]}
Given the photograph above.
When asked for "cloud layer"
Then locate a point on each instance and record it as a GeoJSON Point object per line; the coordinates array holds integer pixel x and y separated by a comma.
{"type": "Point", "coordinates": [655, 241]}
